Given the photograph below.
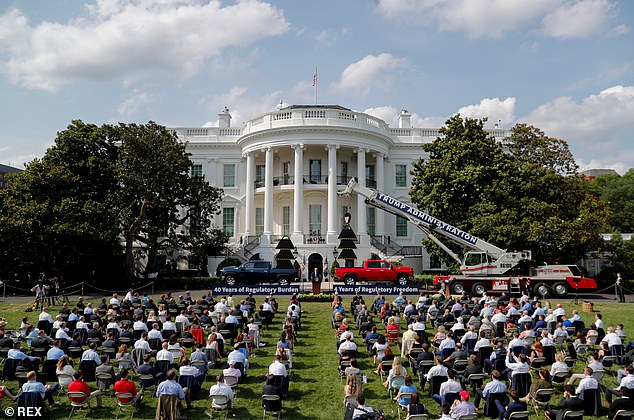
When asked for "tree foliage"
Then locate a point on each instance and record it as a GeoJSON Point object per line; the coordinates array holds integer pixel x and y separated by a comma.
{"type": "Point", "coordinates": [618, 191]}
{"type": "Point", "coordinates": [522, 193]}
{"type": "Point", "coordinates": [98, 187]}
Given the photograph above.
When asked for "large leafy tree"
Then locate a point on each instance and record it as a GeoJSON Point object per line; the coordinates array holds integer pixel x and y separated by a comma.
{"type": "Point", "coordinates": [618, 191]}
{"type": "Point", "coordinates": [58, 215]}
{"type": "Point", "coordinates": [162, 205]}
{"type": "Point", "coordinates": [522, 193]}
{"type": "Point", "coordinates": [98, 187]}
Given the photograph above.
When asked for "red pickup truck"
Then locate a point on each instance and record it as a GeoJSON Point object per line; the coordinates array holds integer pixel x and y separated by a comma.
{"type": "Point", "coordinates": [375, 271]}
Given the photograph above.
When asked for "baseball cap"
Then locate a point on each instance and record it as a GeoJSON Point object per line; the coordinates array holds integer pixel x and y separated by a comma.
{"type": "Point", "coordinates": [464, 395]}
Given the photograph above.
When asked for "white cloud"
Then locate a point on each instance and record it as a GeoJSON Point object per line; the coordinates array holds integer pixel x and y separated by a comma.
{"type": "Point", "coordinates": [579, 19]}
{"type": "Point", "coordinates": [619, 166]}
{"type": "Point", "coordinates": [596, 127]}
{"type": "Point", "coordinates": [494, 18]}
{"type": "Point", "coordinates": [493, 109]}
{"type": "Point", "coordinates": [241, 106]}
{"type": "Point", "coordinates": [369, 73]}
{"type": "Point", "coordinates": [133, 102]}
{"type": "Point", "coordinates": [331, 36]}
{"type": "Point", "coordinates": [126, 39]}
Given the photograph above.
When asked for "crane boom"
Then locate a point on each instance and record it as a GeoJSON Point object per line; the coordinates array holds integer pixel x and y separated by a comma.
{"type": "Point", "coordinates": [424, 221]}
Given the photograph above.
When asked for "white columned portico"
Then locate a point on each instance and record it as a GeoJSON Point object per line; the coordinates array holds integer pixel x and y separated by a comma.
{"type": "Point", "coordinates": [361, 212]}
{"type": "Point", "coordinates": [298, 197]}
{"type": "Point", "coordinates": [379, 215]}
{"type": "Point", "coordinates": [268, 196]}
{"type": "Point", "coordinates": [331, 236]}
{"type": "Point", "coordinates": [250, 194]}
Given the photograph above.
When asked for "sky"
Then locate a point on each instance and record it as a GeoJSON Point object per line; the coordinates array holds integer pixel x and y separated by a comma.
{"type": "Point", "coordinates": [564, 66]}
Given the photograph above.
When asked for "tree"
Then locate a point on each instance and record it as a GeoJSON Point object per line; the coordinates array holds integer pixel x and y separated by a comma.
{"type": "Point", "coordinates": [69, 211]}
{"type": "Point", "coordinates": [58, 214]}
{"type": "Point", "coordinates": [618, 191]}
{"type": "Point", "coordinates": [522, 193]}
{"type": "Point", "coordinates": [162, 205]}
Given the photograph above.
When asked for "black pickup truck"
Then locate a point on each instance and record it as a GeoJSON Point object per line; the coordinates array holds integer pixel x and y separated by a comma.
{"type": "Point", "coordinates": [256, 272]}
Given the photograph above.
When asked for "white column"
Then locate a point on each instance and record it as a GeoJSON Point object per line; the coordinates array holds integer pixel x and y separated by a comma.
{"type": "Point", "coordinates": [379, 215]}
{"type": "Point", "coordinates": [298, 197]}
{"type": "Point", "coordinates": [250, 196]}
{"type": "Point", "coordinates": [268, 194]}
{"type": "Point", "coordinates": [361, 215]}
{"type": "Point", "coordinates": [331, 236]}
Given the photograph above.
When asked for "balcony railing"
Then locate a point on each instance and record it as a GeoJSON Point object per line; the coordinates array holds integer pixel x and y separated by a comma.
{"type": "Point", "coordinates": [311, 179]}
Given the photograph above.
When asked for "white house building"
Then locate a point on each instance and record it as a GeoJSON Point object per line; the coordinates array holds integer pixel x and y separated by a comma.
{"type": "Point", "coordinates": [281, 172]}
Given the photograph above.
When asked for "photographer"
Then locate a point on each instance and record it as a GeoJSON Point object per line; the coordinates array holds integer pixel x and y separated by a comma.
{"type": "Point", "coordinates": [620, 295]}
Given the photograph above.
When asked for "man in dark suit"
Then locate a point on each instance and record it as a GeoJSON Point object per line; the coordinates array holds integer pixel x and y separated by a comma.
{"type": "Point", "coordinates": [474, 366]}
{"type": "Point", "coordinates": [147, 369]}
{"type": "Point", "coordinates": [515, 405]}
{"type": "Point", "coordinates": [424, 355]}
{"type": "Point", "coordinates": [624, 403]}
{"type": "Point", "coordinates": [95, 332]}
{"type": "Point", "coordinates": [458, 354]}
{"type": "Point", "coordinates": [41, 341]}
{"type": "Point", "coordinates": [569, 402]}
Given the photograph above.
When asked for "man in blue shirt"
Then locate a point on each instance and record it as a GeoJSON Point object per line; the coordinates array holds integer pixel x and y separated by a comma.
{"type": "Point", "coordinates": [91, 354]}
{"type": "Point", "coordinates": [16, 353]}
{"type": "Point", "coordinates": [171, 387]}
{"type": "Point", "coordinates": [55, 353]}
{"type": "Point", "coordinates": [46, 392]}
{"type": "Point", "coordinates": [493, 387]}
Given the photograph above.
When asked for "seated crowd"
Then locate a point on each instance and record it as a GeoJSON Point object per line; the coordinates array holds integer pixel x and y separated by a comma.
{"type": "Point", "coordinates": [134, 344]}
{"type": "Point", "coordinates": [529, 350]}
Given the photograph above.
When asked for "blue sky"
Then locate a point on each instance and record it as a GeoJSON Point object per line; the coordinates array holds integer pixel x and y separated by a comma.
{"type": "Point", "coordinates": [565, 66]}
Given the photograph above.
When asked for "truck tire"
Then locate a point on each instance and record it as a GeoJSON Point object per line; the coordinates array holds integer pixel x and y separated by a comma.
{"type": "Point", "coordinates": [349, 280]}
{"type": "Point", "coordinates": [560, 289]}
{"type": "Point", "coordinates": [283, 281]}
{"type": "Point", "coordinates": [478, 289]}
{"type": "Point", "coordinates": [541, 289]}
{"type": "Point", "coordinates": [457, 288]}
{"type": "Point", "coordinates": [230, 280]}
{"type": "Point", "coordinates": [402, 280]}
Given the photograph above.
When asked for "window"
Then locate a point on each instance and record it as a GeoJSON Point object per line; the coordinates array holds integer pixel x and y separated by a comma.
{"type": "Point", "coordinates": [401, 175]}
{"type": "Point", "coordinates": [286, 220]}
{"type": "Point", "coordinates": [343, 178]}
{"type": "Point", "coordinates": [229, 176]}
{"type": "Point", "coordinates": [259, 220]}
{"type": "Point", "coordinates": [228, 217]}
{"type": "Point", "coordinates": [401, 226]}
{"type": "Point", "coordinates": [371, 220]}
{"type": "Point", "coordinates": [314, 219]}
{"type": "Point", "coordinates": [260, 171]}
{"type": "Point", "coordinates": [315, 171]}
{"type": "Point", "coordinates": [370, 178]}
{"type": "Point", "coordinates": [197, 170]}
{"type": "Point", "coordinates": [286, 166]}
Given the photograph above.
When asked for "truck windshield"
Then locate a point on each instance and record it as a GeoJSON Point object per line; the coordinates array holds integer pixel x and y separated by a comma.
{"type": "Point", "coordinates": [472, 259]}
{"type": "Point", "coordinates": [574, 270]}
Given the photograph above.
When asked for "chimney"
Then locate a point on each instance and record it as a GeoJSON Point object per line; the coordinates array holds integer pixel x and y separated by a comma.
{"type": "Point", "coordinates": [404, 119]}
{"type": "Point", "coordinates": [224, 118]}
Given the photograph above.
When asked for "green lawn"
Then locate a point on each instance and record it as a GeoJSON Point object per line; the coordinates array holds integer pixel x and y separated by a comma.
{"type": "Point", "coordinates": [316, 391]}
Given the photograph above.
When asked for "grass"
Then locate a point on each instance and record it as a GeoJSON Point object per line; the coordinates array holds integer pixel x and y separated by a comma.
{"type": "Point", "coordinates": [316, 391]}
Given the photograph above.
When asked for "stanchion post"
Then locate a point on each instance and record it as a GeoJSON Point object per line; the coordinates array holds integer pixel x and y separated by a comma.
{"type": "Point", "coordinates": [4, 291]}
{"type": "Point", "coordinates": [82, 288]}
{"type": "Point", "coordinates": [152, 289]}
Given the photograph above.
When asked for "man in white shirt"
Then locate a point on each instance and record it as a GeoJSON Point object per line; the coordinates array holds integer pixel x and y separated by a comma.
{"type": "Point", "coordinates": [155, 333]}
{"type": "Point", "coordinates": [142, 343]}
{"type": "Point", "coordinates": [58, 321]}
{"type": "Point", "coordinates": [493, 387]}
{"type": "Point", "coordinates": [221, 307]}
{"type": "Point", "coordinates": [114, 300]}
{"type": "Point", "coordinates": [220, 388]}
{"type": "Point", "coordinates": [559, 311]}
{"type": "Point", "coordinates": [346, 345]}
{"type": "Point", "coordinates": [626, 382]}
{"type": "Point", "coordinates": [237, 356]}
{"type": "Point", "coordinates": [128, 296]}
{"type": "Point", "coordinates": [498, 317]}
{"type": "Point", "coordinates": [277, 368]}
{"type": "Point", "coordinates": [44, 315]}
{"type": "Point", "coordinates": [451, 386]}
{"type": "Point", "coordinates": [538, 311]}
{"type": "Point", "coordinates": [61, 333]}
{"type": "Point", "coordinates": [232, 371]}
{"type": "Point", "coordinates": [447, 343]}
{"type": "Point", "coordinates": [546, 340]}
{"type": "Point", "coordinates": [588, 382]}
{"type": "Point", "coordinates": [139, 325]}
{"type": "Point", "coordinates": [165, 354]}
{"type": "Point", "coordinates": [525, 318]}
{"type": "Point", "coordinates": [612, 338]}
{"type": "Point", "coordinates": [482, 342]}
{"type": "Point", "coordinates": [168, 325]}
{"type": "Point", "coordinates": [419, 325]}
{"type": "Point", "coordinates": [81, 324]}
{"type": "Point", "coordinates": [183, 319]}
{"type": "Point", "coordinates": [437, 370]}
{"type": "Point", "coordinates": [516, 342]}
{"type": "Point", "coordinates": [471, 334]}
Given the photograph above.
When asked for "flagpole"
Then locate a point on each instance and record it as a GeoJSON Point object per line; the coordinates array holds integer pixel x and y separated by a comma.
{"type": "Point", "coordinates": [315, 84]}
